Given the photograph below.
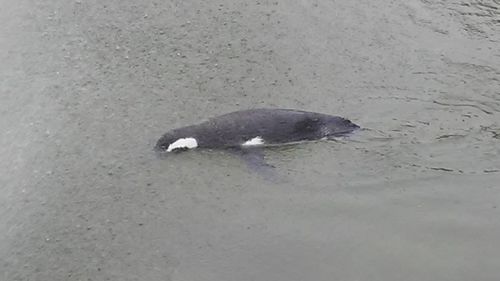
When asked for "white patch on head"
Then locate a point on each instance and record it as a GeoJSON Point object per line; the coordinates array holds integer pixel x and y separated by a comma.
{"type": "Point", "coordinates": [254, 141]}
{"type": "Point", "coordinates": [183, 143]}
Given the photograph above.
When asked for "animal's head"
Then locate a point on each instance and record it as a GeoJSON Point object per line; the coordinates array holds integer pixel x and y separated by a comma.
{"type": "Point", "coordinates": [172, 142]}
{"type": "Point", "coordinates": [334, 126]}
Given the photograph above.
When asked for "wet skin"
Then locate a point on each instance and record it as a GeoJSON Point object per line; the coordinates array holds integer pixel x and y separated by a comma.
{"type": "Point", "coordinates": [270, 126]}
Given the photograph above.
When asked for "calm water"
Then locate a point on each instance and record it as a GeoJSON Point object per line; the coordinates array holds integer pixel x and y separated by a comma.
{"type": "Point", "coordinates": [87, 87]}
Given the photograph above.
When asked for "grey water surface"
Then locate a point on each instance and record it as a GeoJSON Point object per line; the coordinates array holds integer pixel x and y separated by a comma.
{"type": "Point", "coordinates": [87, 87]}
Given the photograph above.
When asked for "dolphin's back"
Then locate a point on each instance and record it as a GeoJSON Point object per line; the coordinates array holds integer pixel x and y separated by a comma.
{"type": "Point", "coordinates": [273, 125]}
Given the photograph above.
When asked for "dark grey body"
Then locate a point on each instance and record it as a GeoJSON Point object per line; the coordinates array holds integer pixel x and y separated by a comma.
{"type": "Point", "coordinates": [274, 126]}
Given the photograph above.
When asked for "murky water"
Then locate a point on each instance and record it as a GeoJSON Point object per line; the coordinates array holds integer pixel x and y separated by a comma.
{"type": "Point", "coordinates": [88, 86]}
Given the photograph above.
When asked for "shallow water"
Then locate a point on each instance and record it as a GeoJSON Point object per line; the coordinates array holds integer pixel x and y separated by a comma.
{"type": "Point", "coordinates": [87, 87]}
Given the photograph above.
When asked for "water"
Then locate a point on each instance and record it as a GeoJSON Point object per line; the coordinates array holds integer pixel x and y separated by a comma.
{"type": "Point", "coordinates": [88, 86]}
